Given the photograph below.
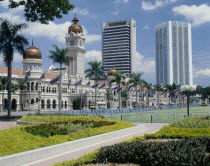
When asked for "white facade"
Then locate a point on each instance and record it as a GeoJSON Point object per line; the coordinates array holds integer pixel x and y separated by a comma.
{"type": "Point", "coordinates": [173, 53]}
{"type": "Point", "coordinates": [119, 45]}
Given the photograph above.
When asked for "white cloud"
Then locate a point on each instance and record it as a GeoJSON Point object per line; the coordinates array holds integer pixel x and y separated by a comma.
{"type": "Point", "coordinates": [114, 13]}
{"type": "Point", "coordinates": [121, 1]}
{"type": "Point", "coordinates": [93, 55]}
{"type": "Point", "coordinates": [143, 64]}
{"type": "Point", "coordinates": [51, 30]}
{"type": "Point", "coordinates": [146, 27]}
{"type": "Point", "coordinates": [196, 14]}
{"type": "Point", "coordinates": [146, 5]}
{"type": "Point", "coordinates": [81, 11]}
{"type": "Point", "coordinates": [5, 4]}
{"type": "Point", "coordinates": [202, 72]}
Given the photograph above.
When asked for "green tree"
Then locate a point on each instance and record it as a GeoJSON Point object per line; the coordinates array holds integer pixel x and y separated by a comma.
{"type": "Point", "coordinates": [58, 55]}
{"type": "Point", "coordinates": [21, 86]}
{"type": "Point", "coordinates": [170, 89]}
{"type": "Point", "coordinates": [95, 72]}
{"type": "Point", "coordinates": [149, 88]}
{"type": "Point", "coordinates": [135, 81]}
{"type": "Point", "coordinates": [109, 96]}
{"type": "Point", "coordinates": [10, 41]}
{"type": "Point", "coordinates": [42, 10]}
{"type": "Point", "coordinates": [120, 81]}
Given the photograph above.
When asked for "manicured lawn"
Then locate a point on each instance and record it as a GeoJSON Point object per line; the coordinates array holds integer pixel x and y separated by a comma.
{"type": "Point", "coordinates": [160, 116]}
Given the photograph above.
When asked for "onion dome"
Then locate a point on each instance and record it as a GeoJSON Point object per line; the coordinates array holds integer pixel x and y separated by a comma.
{"type": "Point", "coordinates": [76, 28]}
{"type": "Point", "coordinates": [111, 72]}
{"type": "Point", "coordinates": [32, 52]}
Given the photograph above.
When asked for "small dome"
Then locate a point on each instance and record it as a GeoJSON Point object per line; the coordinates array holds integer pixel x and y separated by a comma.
{"type": "Point", "coordinates": [111, 72]}
{"type": "Point", "coordinates": [76, 28]}
{"type": "Point", "coordinates": [32, 53]}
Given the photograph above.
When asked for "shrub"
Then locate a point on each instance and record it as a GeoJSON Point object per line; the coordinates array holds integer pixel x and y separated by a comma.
{"type": "Point", "coordinates": [174, 153]}
{"type": "Point", "coordinates": [193, 122]}
{"type": "Point", "coordinates": [180, 133]}
{"type": "Point", "coordinates": [64, 128]}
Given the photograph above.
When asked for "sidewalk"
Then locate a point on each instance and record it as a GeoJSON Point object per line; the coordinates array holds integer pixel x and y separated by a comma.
{"type": "Point", "coordinates": [151, 128]}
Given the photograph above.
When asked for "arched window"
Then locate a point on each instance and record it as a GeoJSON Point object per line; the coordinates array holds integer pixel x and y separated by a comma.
{"type": "Point", "coordinates": [37, 86]}
{"type": "Point", "coordinates": [43, 89]}
{"type": "Point", "coordinates": [5, 103]}
{"type": "Point", "coordinates": [37, 100]}
{"type": "Point", "coordinates": [14, 104]}
{"type": "Point", "coordinates": [47, 89]}
{"type": "Point", "coordinates": [32, 101]}
{"type": "Point", "coordinates": [62, 104]}
{"type": "Point", "coordinates": [65, 104]}
{"type": "Point", "coordinates": [32, 86]}
{"type": "Point", "coordinates": [42, 104]}
{"type": "Point", "coordinates": [48, 103]}
{"type": "Point", "coordinates": [53, 90]}
{"type": "Point", "coordinates": [54, 104]}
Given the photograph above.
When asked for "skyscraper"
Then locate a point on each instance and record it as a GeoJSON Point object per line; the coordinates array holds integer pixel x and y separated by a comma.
{"type": "Point", "coordinates": [173, 53]}
{"type": "Point", "coordinates": [119, 45]}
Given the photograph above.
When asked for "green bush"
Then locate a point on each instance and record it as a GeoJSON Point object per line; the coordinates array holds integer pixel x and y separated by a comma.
{"type": "Point", "coordinates": [180, 133]}
{"type": "Point", "coordinates": [12, 140]}
{"type": "Point", "coordinates": [193, 122]}
{"type": "Point", "coordinates": [173, 153]}
{"type": "Point", "coordinates": [64, 128]}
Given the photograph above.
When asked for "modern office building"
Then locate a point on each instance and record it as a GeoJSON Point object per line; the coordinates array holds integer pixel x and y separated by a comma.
{"type": "Point", "coordinates": [119, 45]}
{"type": "Point", "coordinates": [173, 53]}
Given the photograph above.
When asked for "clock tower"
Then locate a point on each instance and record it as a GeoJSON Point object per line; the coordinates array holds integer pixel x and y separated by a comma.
{"type": "Point", "coordinates": [75, 43]}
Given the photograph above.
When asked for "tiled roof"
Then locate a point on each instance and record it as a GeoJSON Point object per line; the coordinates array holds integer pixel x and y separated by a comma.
{"type": "Point", "coordinates": [14, 71]}
{"type": "Point", "coordinates": [50, 76]}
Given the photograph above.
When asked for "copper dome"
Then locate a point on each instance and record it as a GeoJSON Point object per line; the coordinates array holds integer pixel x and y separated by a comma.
{"type": "Point", "coordinates": [111, 72]}
{"type": "Point", "coordinates": [32, 53]}
{"type": "Point", "coordinates": [76, 28]}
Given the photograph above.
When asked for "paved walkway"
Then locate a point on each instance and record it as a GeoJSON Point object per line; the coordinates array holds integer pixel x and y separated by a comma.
{"type": "Point", "coordinates": [7, 124]}
{"type": "Point", "coordinates": [151, 128]}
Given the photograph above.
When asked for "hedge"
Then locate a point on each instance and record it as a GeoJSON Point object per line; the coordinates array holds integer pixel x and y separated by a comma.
{"type": "Point", "coordinates": [17, 140]}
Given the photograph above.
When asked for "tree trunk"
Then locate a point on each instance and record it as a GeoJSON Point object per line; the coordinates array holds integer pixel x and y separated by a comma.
{"type": "Point", "coordinates": [60, 89]}
{"type": "Point", "coordinates": [95, 97]}
{"type": "Point", "coordinates": [119, 96]}
{"type": "Point", "coordinates": [9, 88]}
{"type": "Point", "coordinates": [21, 100]}
{"type": "Point", "coordinates": [136, 97]}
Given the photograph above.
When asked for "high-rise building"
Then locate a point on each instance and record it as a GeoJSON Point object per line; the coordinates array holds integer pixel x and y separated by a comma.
{"type": "Point", "coordinates": [119, 45]}
{"type": "Point", "coordinates": [173, 53]}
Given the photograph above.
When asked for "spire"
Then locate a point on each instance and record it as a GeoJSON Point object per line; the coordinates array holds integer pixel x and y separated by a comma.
{"type": "Point", "coordinates": [32, 43]}
{"type": "Point", "coordinates": [75, 20]}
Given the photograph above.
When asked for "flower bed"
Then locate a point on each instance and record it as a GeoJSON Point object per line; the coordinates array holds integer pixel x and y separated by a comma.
{"type": "Point", "coordinates": [64, 128]}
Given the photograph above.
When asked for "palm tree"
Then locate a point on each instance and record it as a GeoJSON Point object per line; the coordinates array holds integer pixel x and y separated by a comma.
{"type": "Point", "coordinates": [119, 80]}
{"type": "Point", "coordinates": [125, 95]}
{"type": "Point", "coordinates": [149, 87]}
{"type": "Point", "coordinates": [170, 89]}
{"type": "Point", "coordinates": [109, 96]}
{"type": "Point", "coordinates": [59, 56]}
{"type": "Point", "coordinates": [95, 72]}
{"type": "Point", "coordinates": [21, 86]}
{"type": "Point", "coordinates": [10, 41]}
{"type": "Point", "coordinates": [135, 81]}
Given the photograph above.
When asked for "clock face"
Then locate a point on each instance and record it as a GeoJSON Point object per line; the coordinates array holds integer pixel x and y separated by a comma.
{"type": "Point", "coordinates": [71, 42]}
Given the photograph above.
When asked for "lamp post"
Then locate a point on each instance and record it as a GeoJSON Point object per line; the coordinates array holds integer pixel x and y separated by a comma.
{"type": "Point", "coordinates": [187, 89]}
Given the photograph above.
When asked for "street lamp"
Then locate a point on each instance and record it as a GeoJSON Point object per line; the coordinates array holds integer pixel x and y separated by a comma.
{"type": "Point", "coordinates": [187, 89]}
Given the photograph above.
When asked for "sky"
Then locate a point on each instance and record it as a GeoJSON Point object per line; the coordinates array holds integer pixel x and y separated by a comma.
{"type": "Point", "coordinates": [147, 14]}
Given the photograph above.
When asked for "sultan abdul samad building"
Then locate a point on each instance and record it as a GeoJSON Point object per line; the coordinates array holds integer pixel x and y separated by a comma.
{"type": "Point", "coordinates": [40, 95]}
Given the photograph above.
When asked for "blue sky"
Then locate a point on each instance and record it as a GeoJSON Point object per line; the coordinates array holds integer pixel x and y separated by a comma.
{"type": "Point", "coordinates": [147, 14]}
